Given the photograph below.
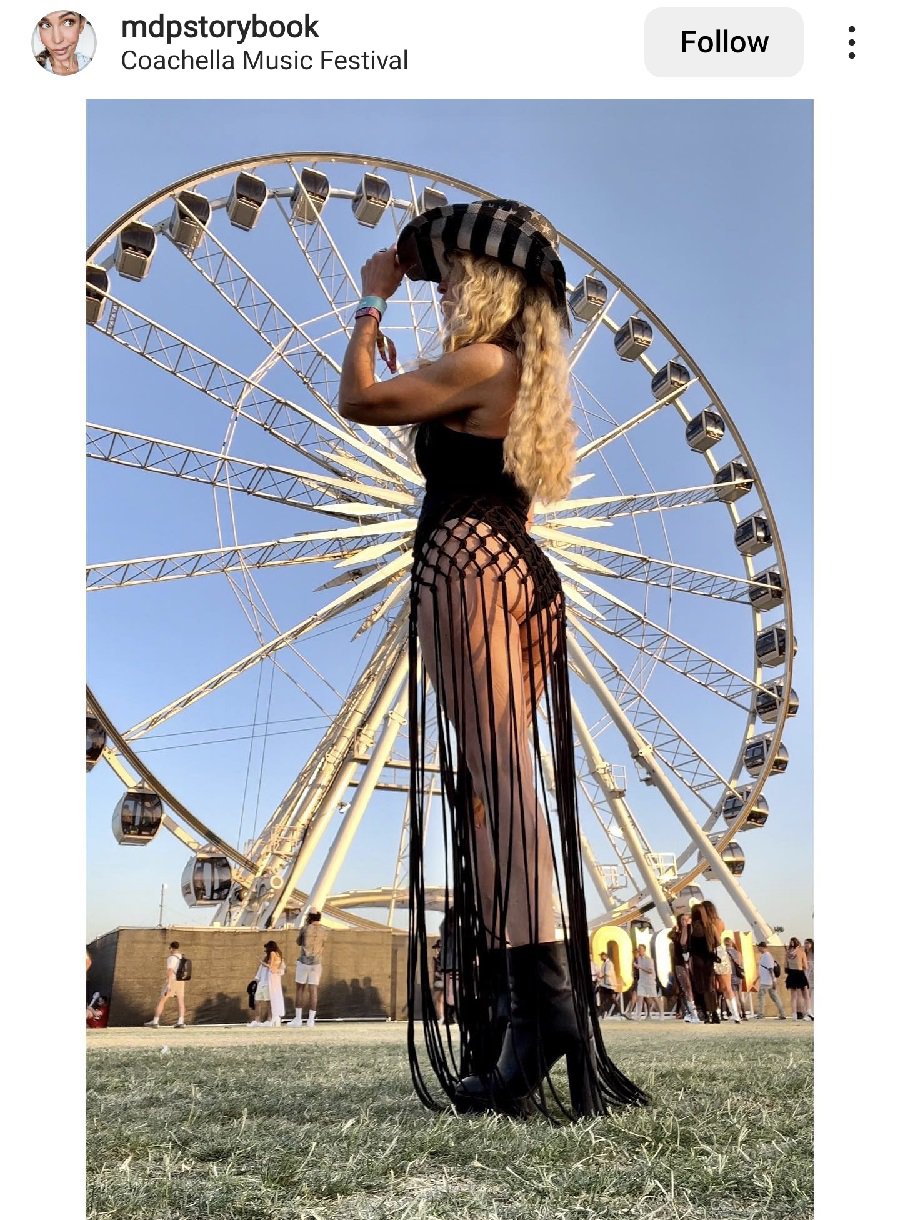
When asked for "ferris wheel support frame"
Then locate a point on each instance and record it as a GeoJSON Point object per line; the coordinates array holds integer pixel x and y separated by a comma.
{"type": "Point", "coordinates": [317, 779]}
{"type": "Point", "coordinates": [640, 748]}
{"type": "Point", "coordinates": [596, 873]}
{"type": "Point", "coordinates": [620, 812]}
{"type": "Point", "coordinates": [323, 809]}
{"type": "Point", "coordinates": [393, 722]}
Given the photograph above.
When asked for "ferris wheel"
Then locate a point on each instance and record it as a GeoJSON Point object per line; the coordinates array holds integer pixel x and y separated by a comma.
{"type": "Point", "coordinates": [263, 547]}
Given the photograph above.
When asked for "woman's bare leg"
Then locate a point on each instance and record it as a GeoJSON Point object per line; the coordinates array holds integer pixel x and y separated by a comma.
{"type": "Point", "coordinates": [470, 631]}
{"type": "Point", "coordinates": [536, 643]}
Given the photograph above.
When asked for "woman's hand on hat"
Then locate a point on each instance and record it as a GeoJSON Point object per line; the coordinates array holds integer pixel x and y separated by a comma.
{"type": "Point", "coordinates": [381, 274]}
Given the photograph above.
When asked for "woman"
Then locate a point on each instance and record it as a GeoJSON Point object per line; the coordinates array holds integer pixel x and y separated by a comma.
{"type": "Point", "coordinates": [723, 969]}
{"type": "Point", "coordinates": [809, 949]}
{"type": "Point", "coordinates": [647, 988]}
{"type": "Point", "coordinates": [796, 979]}
{"type": "Point", "coordinates": [269, 993]}
{"type": "Point", "coordinates": [487, 617]}
{"type": "Point", "coordinates": [680, 940]}
{"type": "Point", "coordinates": [704, 944]}
{"type": "Point", "coordinates": [59, 32]}
{"type": "Point", "coordinates": [737, 976]}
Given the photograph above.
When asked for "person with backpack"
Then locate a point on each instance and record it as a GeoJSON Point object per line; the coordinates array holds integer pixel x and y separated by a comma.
{"type": "Point", "coordinates": [177, 974]}
{"type": "Point", "coordinates": [769, 971]}
{"type": "Point", "coordinates": [737, 976]}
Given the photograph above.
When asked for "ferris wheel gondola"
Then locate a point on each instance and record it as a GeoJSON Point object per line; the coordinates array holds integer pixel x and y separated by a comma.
{"type": "Point", "coordinates": [96, 741]}
{"type": "Point", "coordinates": [137, 817]}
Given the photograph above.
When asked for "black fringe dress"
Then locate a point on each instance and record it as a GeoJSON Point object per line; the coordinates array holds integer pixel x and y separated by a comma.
{"type": "Point", "coordinates": [487, 638]}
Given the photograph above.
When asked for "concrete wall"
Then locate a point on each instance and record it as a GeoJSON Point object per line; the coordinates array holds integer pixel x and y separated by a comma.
{"type": "Point", "coordinates": [364, 973]}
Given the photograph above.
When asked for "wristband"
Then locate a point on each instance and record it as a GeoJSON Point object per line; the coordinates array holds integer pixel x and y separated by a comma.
{"type": "Point", "coordinates": [367, 311]}
{"type": "Point", "coordinates": [373, 302]}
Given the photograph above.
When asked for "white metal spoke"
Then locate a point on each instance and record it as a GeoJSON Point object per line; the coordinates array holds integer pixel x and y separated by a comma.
{"type": "Point", "coordinates": [336, 280]}
{"type": "Point", "coordinates": [662, 736]}
{"type": "Point", "coordinates": [298, 489]}
{"type": "Point", "coordinates": [603, 558]}
{"type": "Point", "coordinates": [318, 371]}
{"type": "Point", "coordinates": [620, 430]}
{"type": "Point", "coordinates": [615, 617]}
{"type": "Point", "coordinates": [287, 421]}
{"type": "Point", "coordinates": [360, 591]}
{"type": "Point", "coordinates": [279, 552]}
{"type": "Point", "coordinates": [303, 354]}
{"type": "Point", "coordinates": [596, 510]}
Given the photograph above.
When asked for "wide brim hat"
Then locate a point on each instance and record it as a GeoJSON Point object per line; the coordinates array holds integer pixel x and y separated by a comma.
{"type": "Point", "coordinates": [510, 232]}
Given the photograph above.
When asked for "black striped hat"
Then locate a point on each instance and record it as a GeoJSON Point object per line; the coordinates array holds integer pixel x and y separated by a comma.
{"type": "Point", "coordinates": [514, 234]}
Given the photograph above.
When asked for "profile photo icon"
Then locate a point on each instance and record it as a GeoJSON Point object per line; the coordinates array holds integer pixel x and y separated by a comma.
{"type": "Point", "coordinates": [63, 42]}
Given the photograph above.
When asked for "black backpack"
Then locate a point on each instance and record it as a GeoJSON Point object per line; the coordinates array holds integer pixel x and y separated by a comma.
{"type": "Point", "coordinates": [183, 972]}
{"type": "Point", "coordinates": [776, 971]}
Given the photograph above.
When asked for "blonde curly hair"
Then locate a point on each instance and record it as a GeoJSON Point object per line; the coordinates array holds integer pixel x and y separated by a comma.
{"type": "Point", "coordinates": [493, 302]}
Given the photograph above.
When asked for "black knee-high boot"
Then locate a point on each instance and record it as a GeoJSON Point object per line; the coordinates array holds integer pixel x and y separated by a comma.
{"type": "Point", "coordinates": [542, 1028]}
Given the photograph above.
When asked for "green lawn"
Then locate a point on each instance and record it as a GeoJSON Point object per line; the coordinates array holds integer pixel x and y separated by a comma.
{"type": "Point", "coordinates": [323, 1125]}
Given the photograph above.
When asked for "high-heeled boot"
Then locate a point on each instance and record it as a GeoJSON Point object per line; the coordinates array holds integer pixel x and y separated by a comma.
{"type": "Point", "coordinates": [487, 1031]}
{"type": "Point", "coordinates": [542, 1028]}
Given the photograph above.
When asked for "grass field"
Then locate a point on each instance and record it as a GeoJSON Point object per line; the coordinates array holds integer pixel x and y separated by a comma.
{"type": "Point", "coordinates": [323, 1125]}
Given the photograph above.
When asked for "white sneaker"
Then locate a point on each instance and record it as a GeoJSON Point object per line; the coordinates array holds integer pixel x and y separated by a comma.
{"type": "Point", "coordinates": [151, 1024]}
{"type": "Point", "coordinates": [311, 1022]}
{"type": "Point", "coordinates": [297, 1023]}
{"type": "Point", "coordinates": [178, 1025]}
{"type": "Point", "coordinates": [253, 1024]}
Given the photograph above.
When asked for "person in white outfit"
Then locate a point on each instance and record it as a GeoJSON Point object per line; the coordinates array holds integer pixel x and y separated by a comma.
{"type": "Point", "coordinates": [766, 967]}
{"type": "Point", "coordinates": [269, 994]}
{"type": "Point", "coordinates": [646, 984]}
{"type": "Point", "coordinates": [737, 976]}
{"type": "Point", "coordinates": [309, 967]}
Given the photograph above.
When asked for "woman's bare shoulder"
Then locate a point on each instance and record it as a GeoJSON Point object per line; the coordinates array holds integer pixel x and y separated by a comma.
{"type": "Point", "coordinates": [475, 364]}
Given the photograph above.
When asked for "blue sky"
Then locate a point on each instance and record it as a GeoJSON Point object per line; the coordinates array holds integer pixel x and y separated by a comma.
{"type": "Point", "coordinates": [704, 209]}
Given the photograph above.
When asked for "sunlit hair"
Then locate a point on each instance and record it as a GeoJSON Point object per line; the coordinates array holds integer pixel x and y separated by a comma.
{"type": "Point", "coordinates": [706, 923]}
{"type": "Point", "coordinates": [490, 302]}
